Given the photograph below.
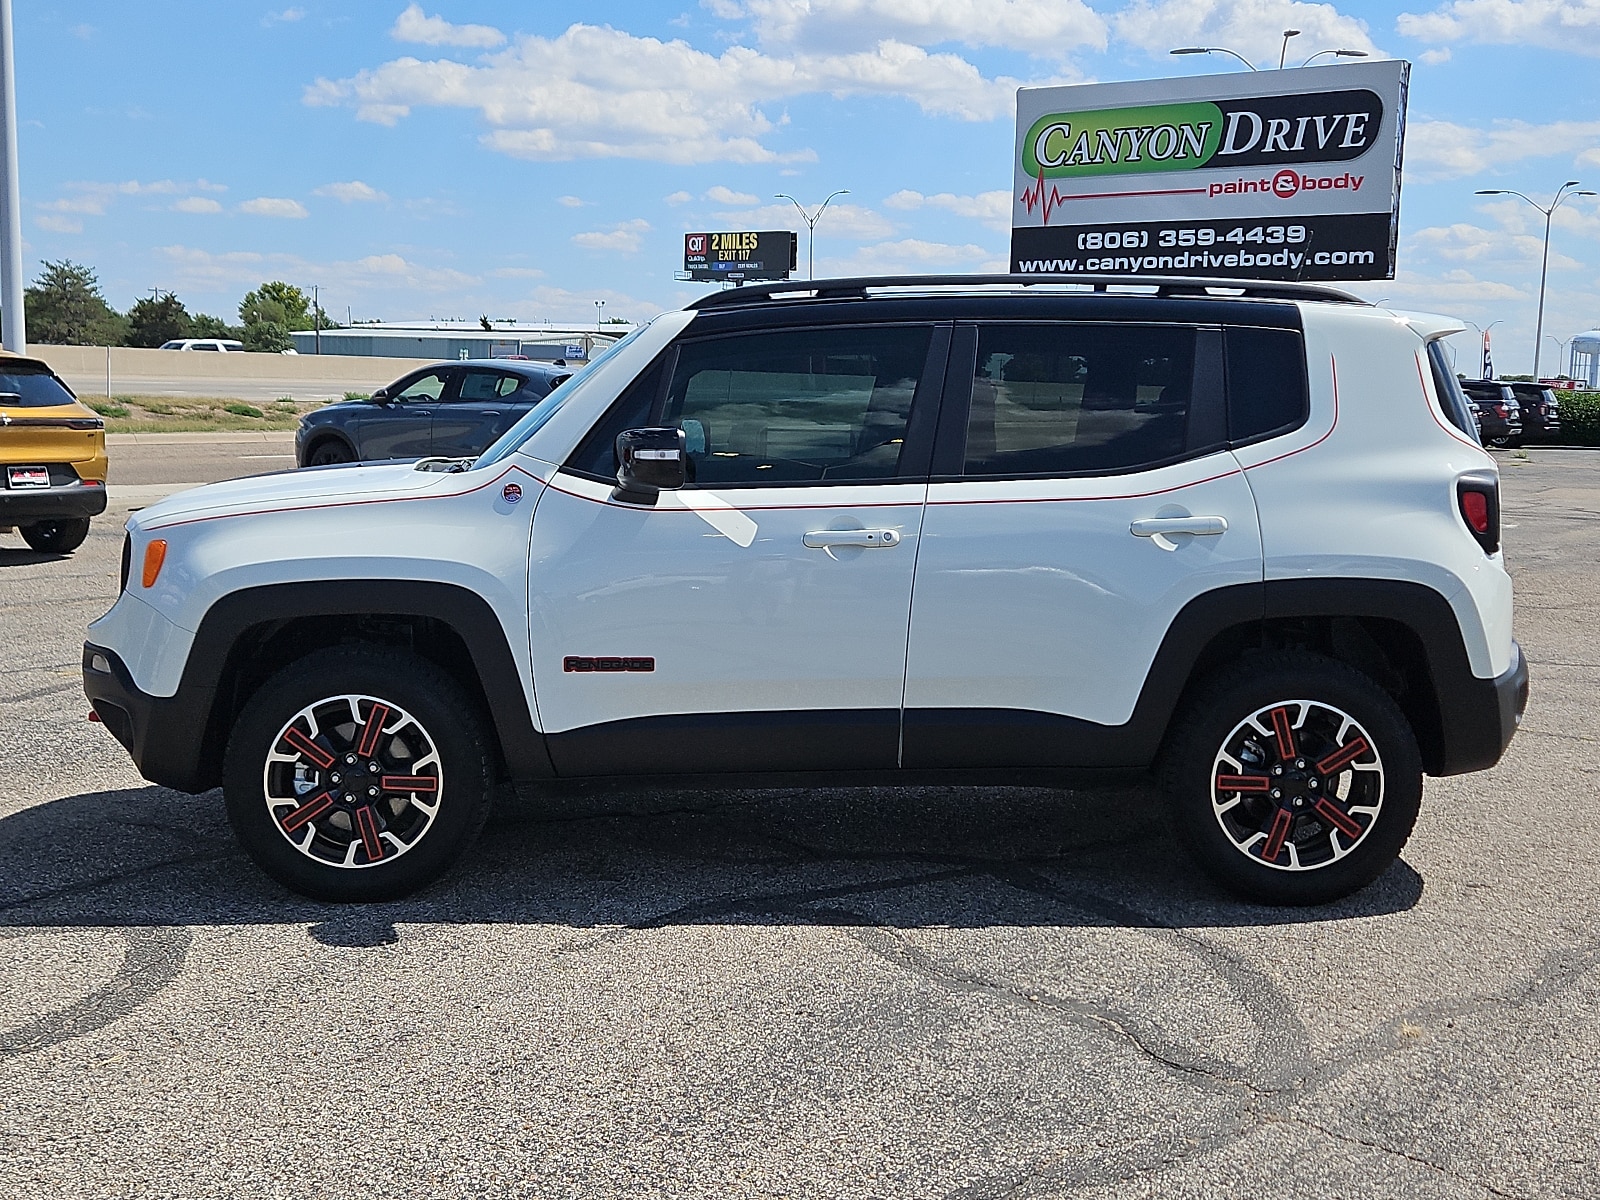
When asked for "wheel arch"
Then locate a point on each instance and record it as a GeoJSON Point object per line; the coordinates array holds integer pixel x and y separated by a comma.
{"type": "Point", "coordinates": [323, 436]}
{"type": "Point", "coordinates": [1403, 635]}
{"type": "Point", "coordinates": [247, 635]}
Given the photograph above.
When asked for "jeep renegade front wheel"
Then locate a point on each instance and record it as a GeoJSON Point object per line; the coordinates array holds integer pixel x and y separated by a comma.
{"type": "Point", "coordinates": [357, 774]}
{"type": "Point", "coordinates": [1293, 778]}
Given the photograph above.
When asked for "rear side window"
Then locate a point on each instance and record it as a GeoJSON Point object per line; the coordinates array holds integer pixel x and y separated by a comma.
{"type": "Point", "coordinates": [1065, 399]}
{"type": "Point", "coordinates": [1266, 383]}
{"type": "Point", "coordinates": [1451, 398]}
{"type": "Point", "coordinates": [31, 389]}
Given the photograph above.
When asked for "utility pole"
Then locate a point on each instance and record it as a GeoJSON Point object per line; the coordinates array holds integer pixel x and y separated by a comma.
{"type": "Point", "coordinates": [15, 334]}
{"type": "Point", "coordinates": [316, 319]}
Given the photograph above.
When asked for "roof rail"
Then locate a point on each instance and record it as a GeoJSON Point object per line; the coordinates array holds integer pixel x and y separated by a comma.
{"type": "Point", "coordinates": [1165, 285]}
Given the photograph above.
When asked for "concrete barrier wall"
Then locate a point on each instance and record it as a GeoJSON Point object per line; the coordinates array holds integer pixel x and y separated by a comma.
{"type": "Point", "coordinates": [136, 372]}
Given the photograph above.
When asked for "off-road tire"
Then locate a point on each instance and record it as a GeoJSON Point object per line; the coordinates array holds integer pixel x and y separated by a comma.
{"type": "Point", "coordinates": [425, 709]}
{"type": "Point", "coordinates": [1214, 799]}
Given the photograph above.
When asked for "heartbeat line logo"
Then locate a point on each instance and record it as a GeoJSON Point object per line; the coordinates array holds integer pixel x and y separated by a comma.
{"type": "Point", "coordinates": [1036, 197]}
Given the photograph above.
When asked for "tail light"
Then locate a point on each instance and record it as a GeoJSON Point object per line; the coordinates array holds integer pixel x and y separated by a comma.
{"type": "Point", "coordinates": [1500, 410]}
{"type": "Point", "coordinates": [1478, 500]}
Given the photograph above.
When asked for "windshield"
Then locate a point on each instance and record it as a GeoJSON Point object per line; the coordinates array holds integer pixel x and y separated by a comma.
{"type": "Point", "coordinates": [31, 389]}
{"type": "Point", "coordinates": [550, 405]}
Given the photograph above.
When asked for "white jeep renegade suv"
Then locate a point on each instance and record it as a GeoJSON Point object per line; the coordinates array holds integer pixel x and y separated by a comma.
{"type": "Point", "coordinates": [863, 530]}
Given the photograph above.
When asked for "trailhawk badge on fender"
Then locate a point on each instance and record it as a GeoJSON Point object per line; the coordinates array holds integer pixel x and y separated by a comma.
{"type": "Point", "coordinates": [511, 493]}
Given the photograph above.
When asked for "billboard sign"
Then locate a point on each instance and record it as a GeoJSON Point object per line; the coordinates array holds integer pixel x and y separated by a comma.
{"type": "Point", "coordinates": [1268, 175]}
{"type": "Point", "coordinates": [740, 257]}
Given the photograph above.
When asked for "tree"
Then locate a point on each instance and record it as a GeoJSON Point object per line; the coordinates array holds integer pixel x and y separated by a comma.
{"type": "Point", "coordinates": [204, 325]}
{"type": "Point", "coordinates": [158, 320]}
{"type": "Point", "coordinates": [281, 304]}
{"type": "Point", "coordinates": [64, 307]}
{"type": "Point", "coordinates": [268, 337]}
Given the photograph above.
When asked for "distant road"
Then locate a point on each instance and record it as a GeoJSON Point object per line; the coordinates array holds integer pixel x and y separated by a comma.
{"type": "Point", "coordinates": [145, 467]}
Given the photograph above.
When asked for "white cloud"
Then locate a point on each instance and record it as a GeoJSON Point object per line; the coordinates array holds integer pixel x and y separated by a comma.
{"type": "Point", "coordinates": [287, 16]}
{"type": "Point", "coordinates": [351, 192]}
{"type": "Point", "coordinates": [197, 204]}
{"type": "Point", "coordinates": [415, 26]}
{"type": "Point", "coordinates": [93, 198]}
{"type": "Point", "coordinates": [274, 206]}
{"type": "Point", "coordinates": [1436, 57]}
{"type": "Point", "coordinates": [1571, 25]}
{"type": "Point", "coordinates": [1041, 27]}
{"type": "Point", "coordinates": [677, 198]}
{"type": "Point", "coordinates": [1437, 150]}
{"type": "Point", "coordinates": [603, 93]}
{"type": "Point", "coordinates": [625, 238]}
{"type": "Point", "coordinates": [1252, 27]}
{"type": "Point", "coordinates": [517, 273]}
{"type": "Point", "coordinates": [913, 256]}
{"type": "Point", "coordinates": [722, 195]}
{"type": "Point", "coordinates": [572, 201]}
{"type": "Point", "coordinates": [377, 276]}
{"type": "Point", "coordinates": [852, 221]}
{"type": "Point", "coordinates": [992, 208]}
{"type": "Point", "coordinates": [59, 224]}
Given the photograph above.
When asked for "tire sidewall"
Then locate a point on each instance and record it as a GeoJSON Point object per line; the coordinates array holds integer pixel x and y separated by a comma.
{"type": "Point", "coordinates": [1217, 712]}
{"type": "Point", "coordinates": [57, 536]}
{"type": "Point", "coordinates": [418, 687]}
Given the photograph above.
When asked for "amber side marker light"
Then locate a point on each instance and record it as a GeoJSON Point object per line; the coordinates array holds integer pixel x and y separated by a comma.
{"type": "Point", "coordinates": [154, 555]}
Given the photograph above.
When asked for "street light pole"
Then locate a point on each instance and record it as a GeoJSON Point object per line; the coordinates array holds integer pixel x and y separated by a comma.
{"type": "Point", "coordinates": [811, 226]}
{"type": "Point", "coordinates": [598, 306]}
{"type": "Point", "coordinates": [14, 336]}
{"type": "Point", "coordinates": [1562, 194]}
{"type": "Point", "coordinates": [316, 319]}
{"type": "Point", "coordinates": [1284, 52]}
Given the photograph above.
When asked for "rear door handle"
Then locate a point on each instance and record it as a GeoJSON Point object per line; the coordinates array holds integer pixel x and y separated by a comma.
{"type": "Point", "coordinates": [828, 539]}
{"type": "Point", "coordinates": [1203, 526]}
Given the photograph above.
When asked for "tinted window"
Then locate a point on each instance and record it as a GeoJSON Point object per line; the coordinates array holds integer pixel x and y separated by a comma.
{"type": "Point", "coordinates": [1266, 383]}
{"type": "Point", "coordinates": [205, 346]}
{"type": "Point", "coordinates": [30, 389]}
{"type": "Point", "coordinates": [797, 406]}
{"type": "Point", "coordinates": [487, 385]}
{"type": "Point", "coordinates": [596, 455]}
{"type": "Point", "coordinates": [1071, 399]}
{"type": "Point", "coordinates": [1451, 397]}
{"type": "Point", "coordinates": [422, 388]}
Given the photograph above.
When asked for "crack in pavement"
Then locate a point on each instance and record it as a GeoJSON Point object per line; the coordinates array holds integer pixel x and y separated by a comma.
{"type": "Point", "coordinates": [1352, 1140]}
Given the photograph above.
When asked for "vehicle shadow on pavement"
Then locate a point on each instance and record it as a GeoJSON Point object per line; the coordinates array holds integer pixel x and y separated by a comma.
{"type": "Point", "coordinates": [23, 556]}
{"type": "Point", "coordinates": [956, 857]}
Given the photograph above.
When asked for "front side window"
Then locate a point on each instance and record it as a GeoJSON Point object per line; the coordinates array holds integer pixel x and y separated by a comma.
{"type": "Point", "coordinates": [1078, 399]}
{"type": "Point", "coordinates": [796, 406]}
{"type": "Point", "coordinates": [422, 389]}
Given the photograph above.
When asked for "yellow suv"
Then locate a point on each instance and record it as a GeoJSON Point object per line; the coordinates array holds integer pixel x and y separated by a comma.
{"type": "Point", "coordinates": [52, 457]}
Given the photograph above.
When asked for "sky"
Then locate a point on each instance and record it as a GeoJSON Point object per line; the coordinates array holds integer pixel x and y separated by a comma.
{"type": "Point", "coordinates": [524, 160]}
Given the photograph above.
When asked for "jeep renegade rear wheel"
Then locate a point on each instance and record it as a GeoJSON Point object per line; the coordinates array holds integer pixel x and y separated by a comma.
{"type": "Point", "coordinates": [1293, 778]}
{"type": "Point", "coordinates": [358, 774]}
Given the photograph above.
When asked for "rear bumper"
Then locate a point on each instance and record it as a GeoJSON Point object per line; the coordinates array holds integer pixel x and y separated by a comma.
{"type": "Point", "coordinates": [1481, 717]}
{"type": "Point", "coordinates": [163, 734]}
{"type": "Point", "coordinates": [52, 503]}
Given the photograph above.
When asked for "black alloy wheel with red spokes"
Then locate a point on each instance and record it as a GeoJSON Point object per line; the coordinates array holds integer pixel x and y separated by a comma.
{"type": "Point", "coordinates": [1294, 778]}
{"type": "Point", "coordinates": [360, 773]}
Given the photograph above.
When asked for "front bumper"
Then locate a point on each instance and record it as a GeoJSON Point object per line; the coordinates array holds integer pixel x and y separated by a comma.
{"type": "Point", "coordinates": [164, 734]}
{"type": "Point", "coordinates": [55, 503]}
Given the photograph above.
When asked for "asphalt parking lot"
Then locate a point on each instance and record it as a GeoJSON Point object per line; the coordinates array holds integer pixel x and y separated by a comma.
{"type": "Point", "coordinates": [845, 993]}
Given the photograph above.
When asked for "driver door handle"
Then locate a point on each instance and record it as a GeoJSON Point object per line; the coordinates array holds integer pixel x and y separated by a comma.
{"type": "Point", "coordinates": [1203, 526]}
{"type": "Point", "coordinates": [828, 539]}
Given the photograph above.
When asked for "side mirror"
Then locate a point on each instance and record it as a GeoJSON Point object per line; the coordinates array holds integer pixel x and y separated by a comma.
{"type": "Point", "coordinates": [648, 462]}
{"type": "Point", "coordinates": [381, 396]}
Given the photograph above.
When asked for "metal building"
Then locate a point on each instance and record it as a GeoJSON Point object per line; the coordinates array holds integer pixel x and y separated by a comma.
{"type": "Point", "coordinates": [434, 340]}
{"type": "Point", "coordinates": [1586, 359]}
